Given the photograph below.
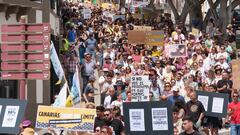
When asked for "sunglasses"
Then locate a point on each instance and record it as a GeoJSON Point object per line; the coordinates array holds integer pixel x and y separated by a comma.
{"type": "Point", "coordinates": [106, 114]}
{"type": "Point", "coordinates": [235, 96]}
{"type": "Point", "coordinates": [167, 86]}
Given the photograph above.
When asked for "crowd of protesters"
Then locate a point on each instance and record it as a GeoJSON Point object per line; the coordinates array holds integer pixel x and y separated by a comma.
{"type": "Point", "coordinates": [96, 44]}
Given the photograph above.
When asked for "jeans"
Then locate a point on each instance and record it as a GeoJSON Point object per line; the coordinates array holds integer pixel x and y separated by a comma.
{"type": "Point", "coordinates": [235, 129]}
{"type": "Point", "coordinates": [70, 78]}
{"type": "Point", "coordinates": [85, 82]}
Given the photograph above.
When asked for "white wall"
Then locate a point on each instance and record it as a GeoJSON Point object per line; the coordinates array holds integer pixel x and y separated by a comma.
{"type": "Point", "coordinates": [54, 22]}
{"type": "Point", "coordinates": [38, 16]}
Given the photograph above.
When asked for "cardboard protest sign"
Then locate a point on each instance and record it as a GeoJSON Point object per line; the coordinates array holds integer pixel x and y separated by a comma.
{"type": "Point", "coordinates": [140, 88]}
{"type": "Point", "coordinates": [107, 6]}
{"type": "Point", "coordinates": [195, 32]}
{"type": "Point", "coordinates": [215, 104]}
{"type": "Point", "coordinates": [236, 73]}
{"type": "Point", "coordinates": [154, 38]}
{"type": "Point", "coordinates": [136, 37]}
{"type": "Point", "coordinates": [177, 50]}
{"type": "Point", "coordinates": [72, 119]}
{"type": "Point", "coordinates": [148, 118]}
{"type": "Point", "coordinates": [11, 115]}
{"type": "Point", "coordinates": [142, 28]}
{"type": "Point", "coordinates": [137, 16]}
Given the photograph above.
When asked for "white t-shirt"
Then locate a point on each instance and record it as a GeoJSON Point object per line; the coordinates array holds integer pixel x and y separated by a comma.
{"type": "Point", "coordinates": [107, 102]}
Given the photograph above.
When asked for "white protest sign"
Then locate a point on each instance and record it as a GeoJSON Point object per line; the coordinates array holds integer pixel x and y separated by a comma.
{"type": "Point", "coordinates": [176, 50]}
{"type": "Point", "coordinates": [140, 88]}
{"type": "Point", "coordinates": [159, 119]}
{"type": "Point", "coordinates": [86, 13]}
{"type": "Point", "coordinates": [107, 16]}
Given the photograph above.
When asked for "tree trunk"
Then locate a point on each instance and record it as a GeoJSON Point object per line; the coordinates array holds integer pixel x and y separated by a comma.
{"type": "Point", "coordinates": [195, 13]}
{"type": "Point", "coordinates": [210, 12]}
{"type": "Point", "coordinates": [174, 10]}
{"type": "Point", "coordinates": [223, 16]}
{"type": "Point", "coordinates": [122, 3]}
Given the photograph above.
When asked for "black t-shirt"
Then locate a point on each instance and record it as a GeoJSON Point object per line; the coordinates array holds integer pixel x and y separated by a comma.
{"type": "Point", "coordinates": [99, 122]}
{"type": "Point", "coordinates": [194, 133]}
{"type": "Point", "coordinates": [117, 126]}
{"type": "Point", "coordinates": [194, 110]}
{"type": "Point", "coordinates": [221, 83]}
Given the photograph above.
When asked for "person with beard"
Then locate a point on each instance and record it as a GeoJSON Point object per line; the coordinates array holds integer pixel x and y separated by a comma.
{"type": "Point", "coordinates": [114, 122]}
{"type": "Point", "coordinates": [99, 120]}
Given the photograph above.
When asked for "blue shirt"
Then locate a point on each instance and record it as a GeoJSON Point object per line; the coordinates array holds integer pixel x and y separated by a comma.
{"type": "Point", "coordinates": [173, 99]}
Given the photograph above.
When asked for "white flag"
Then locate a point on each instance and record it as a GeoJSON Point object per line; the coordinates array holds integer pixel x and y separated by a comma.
{"type": "Point", "coordinates": [56, 63]}
{"type": "Point", "coordinates": [75, 90]}
{"type": "Point", "coordinates": [62, 96]}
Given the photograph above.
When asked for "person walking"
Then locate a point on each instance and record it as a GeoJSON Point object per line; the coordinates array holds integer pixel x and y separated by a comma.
{"type": "Point", "coordinates": [234, 114]}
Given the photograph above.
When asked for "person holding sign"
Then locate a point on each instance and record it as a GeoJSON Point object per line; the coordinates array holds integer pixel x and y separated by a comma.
{"type": "Point", "coordinates": [234, 114]}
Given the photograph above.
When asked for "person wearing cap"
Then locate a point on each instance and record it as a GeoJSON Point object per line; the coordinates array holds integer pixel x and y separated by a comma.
{"type": "Point", "coordinates": [107, 83]}
{"type": "Point", "coordinates": [108, 64]}
{"type": "Point", "coordinates": [222, 62]}
{"type": "Point", "coordinates": [175, 96]}
{"type": "Point", "coordinates": [130, 62]}
{"type": "Point", "coordinates": [87, 68]}
{"type": "Point", "coordinates": [188, 127]}
{"type": "Point", "coordinates": [25, 124]}
{"type": "Point", "coordinates": [101, 79]}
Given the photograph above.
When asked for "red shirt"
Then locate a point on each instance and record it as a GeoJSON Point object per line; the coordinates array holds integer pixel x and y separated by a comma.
{"type": "Point", "coordinates": [235, 117]}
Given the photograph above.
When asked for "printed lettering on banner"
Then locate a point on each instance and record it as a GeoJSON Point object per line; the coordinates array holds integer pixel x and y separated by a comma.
{"type": "Point", "coordinates": [140, 88]}
{"type": "Point", "coordinates": [61, 118]}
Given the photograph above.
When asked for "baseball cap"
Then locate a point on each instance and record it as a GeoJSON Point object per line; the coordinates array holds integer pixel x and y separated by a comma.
{"type": "Point", "coordinates": [175, 88]}
{"type": "Point", "coordinates": [26, 123]}
{"type": "Point", "coordinates": [129, 57]}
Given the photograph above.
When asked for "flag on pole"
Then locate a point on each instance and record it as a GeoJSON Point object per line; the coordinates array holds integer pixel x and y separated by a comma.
{"type": "Point", "coordinates": [56, 64]}
{"type": "Point", "coordinates": [75, 89]}
{"type": "Point", "coordinates": [69, 102]}
{"type": "Point", "coordinates": [62, 96]}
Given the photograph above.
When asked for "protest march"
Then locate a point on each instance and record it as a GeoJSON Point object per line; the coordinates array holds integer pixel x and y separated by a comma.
{"type": "Point", "coordinates": [121, 73]}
